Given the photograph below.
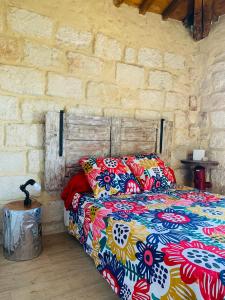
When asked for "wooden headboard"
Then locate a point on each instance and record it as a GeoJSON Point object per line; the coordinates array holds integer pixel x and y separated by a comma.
{"type": "Point", "coordinates": [69, 137]}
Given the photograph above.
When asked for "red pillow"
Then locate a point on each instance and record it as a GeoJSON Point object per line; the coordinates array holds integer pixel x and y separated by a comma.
{"type": "Point", "coordinates": [172, 174]}
{"type": "Point", "coordinates": [77, 184]}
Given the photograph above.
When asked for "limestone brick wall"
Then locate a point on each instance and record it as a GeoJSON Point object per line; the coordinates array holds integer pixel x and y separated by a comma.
{"type": "Point", "coordinates": [212, 95]}
{"type": "Point", "coordinates": [88, 57]}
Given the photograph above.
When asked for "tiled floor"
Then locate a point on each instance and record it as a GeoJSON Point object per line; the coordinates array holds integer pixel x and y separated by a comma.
{"type": "Point", "coordinates": [62, 271]}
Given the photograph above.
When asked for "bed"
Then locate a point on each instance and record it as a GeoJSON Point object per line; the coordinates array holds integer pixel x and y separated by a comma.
{"type": "Point", "coordinates": [167, 245]}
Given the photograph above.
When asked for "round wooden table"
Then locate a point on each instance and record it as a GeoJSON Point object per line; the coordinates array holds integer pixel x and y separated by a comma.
{"type": "Point", "coordinates": [22, 234]}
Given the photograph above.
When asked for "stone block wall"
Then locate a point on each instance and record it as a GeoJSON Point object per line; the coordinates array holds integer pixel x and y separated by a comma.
{"type": "Point", "coordinates": [88, 57]}
{"type": "Point", "coordinates": [212, 95]}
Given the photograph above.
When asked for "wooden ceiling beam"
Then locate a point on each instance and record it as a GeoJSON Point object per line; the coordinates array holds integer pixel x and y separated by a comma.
{"type": "Point", "coordinates": [144, 6]}
{"type": "Point", "coordinates": [171, 8]}
{"type": "Point", "coordinates": [207, 16]}
{"type": "Point", "coordinates": [219, 7]}
{"type": "Point", "coordinates": [215, 18]}
{"type": "Point", "coordinates": [198, 20]}
{"type": "Point", "coordinates": [117, 3]}
{"type": "Point", "coordinates": [197, 15]}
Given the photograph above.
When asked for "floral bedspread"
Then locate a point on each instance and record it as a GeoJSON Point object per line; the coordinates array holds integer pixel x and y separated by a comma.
{"type": "Point", "coordinates": [168, 245]}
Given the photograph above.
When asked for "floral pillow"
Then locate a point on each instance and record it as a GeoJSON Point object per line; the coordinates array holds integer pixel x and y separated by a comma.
{"type": "Point", "coordinates": [151, 172]}
{"type": "Point", "coordinates": [109, 176]}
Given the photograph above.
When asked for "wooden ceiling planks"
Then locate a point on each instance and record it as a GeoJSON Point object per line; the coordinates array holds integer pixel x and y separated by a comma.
{"type": "Point", "coordinates": [145, 6]}
{"type": "Point", "coordinates": [219, 7]}
{"type": "Point", "coordinates": [203, 17]}
{"type": "Point", "coordinates": [117, 3]}
{"type": "Point", "coordinates": [178, 10]}
{"type": "Point", "coordinates": [198, 20]}
{"type": "Point", "coordinates": [198, 15]}
{"type": "Point", "coordinates": [207, 17]}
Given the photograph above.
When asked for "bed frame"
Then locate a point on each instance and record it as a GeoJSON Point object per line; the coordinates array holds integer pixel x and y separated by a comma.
{"type": "Point", "coordinates": [69, 137]}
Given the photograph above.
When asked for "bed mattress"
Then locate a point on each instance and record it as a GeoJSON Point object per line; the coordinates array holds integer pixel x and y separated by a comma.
{"type": "Point", "coordinates": [168, 245]}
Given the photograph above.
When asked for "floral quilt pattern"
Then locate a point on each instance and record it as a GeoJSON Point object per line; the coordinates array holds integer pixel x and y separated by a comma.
{"type": "Point", "coordinates": [109, 176]}
{"type": "Point", "coordinates": [151, 172]}
{"type": "Point", "coordinates": [167, 245]}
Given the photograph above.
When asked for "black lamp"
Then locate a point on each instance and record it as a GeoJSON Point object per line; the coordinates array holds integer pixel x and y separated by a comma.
{"type": "Point", "coordinates": [27, 200]}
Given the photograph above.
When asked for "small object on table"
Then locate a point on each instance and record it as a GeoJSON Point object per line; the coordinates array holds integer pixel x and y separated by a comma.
{"type": "Point", "coordinates": [37, 187]}
{"type": "Point", "coordinates": [198, 154]}
{"type": "Point", "coordinates": [199, 178]}
{"type": "Point", "coordinates": [198, 167]}
{"type": "Point", "coordinates": [22, 233]}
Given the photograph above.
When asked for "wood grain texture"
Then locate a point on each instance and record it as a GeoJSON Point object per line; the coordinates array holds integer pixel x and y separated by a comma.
{"type": "Point", "coordinates": [198, 20]}
{"type": "Point", "coordinates": [116, 137]}
{"type": "Point", "coordinates": [117, 3]}
{"type": "Point", "coordinates": [207, 16]}
{"type": "Point", "coordinates": [87, 133]}
{"type": "Point", "coordinates": [130, 136]}
{"type": "Point", "coordinates": [206, 163]}
{"type": "Point", "coordinates": [19, 205]}
{"type": "Point", "coordinates": [155, 7]}
{"type": "Point", "coordinates": [130, 148]}
{"type": "Point", "coordinates": [98, 136]}
{"type": "Point", "coordinates": [62, 272]}
{"type": "Point", "coordinates": [87, 120]}
{"type": "Point", "coordinates": [171, 8]}
{"type": "Point", "coordinates": [219, 8]}
{"type": "Point", "coordinates": [54, 164]}
{"type": "Point", "coordinates": [196, 15]}
{"type": "Point", "coordinates": [128, 122]}
{"type": "Point", "coordinates": [167, 141]}
{"type": "Point", "coordinates": [83, 136]}
{"type": "Point", "coordinates": [138, 134]}
{"type": "Point", "coordinates": [77, 149]}
{"type": "Point", "coordinates": [145, 6]}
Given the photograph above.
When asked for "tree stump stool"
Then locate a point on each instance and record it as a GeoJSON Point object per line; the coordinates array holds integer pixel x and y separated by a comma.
{"type": "Point", "coordinates": [22, 234]}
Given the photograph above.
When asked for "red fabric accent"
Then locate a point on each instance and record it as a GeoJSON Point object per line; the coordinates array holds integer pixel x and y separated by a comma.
{"type": "Point", "coordinates": [199, 178]}
{"type": "Point", "coordinates": [77, 184]}
{"type": "Point", "coordinates": [173, 175]}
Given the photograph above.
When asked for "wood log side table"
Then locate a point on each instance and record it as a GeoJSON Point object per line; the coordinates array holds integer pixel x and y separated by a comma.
{"type": "Point", "coordinates": [208, 165]}
{"type": "Point", "coordinates": [22, 235]}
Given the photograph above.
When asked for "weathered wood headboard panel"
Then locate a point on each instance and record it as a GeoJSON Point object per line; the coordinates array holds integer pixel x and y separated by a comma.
{"type": "Point", "coordinates": [85, 136]}
{"type": "Point", "coordinates": [74, 137]}
{"type": "Point", "coordinates": [131, 136]}
{"type": "Point", "coordinates": [81, 136]}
